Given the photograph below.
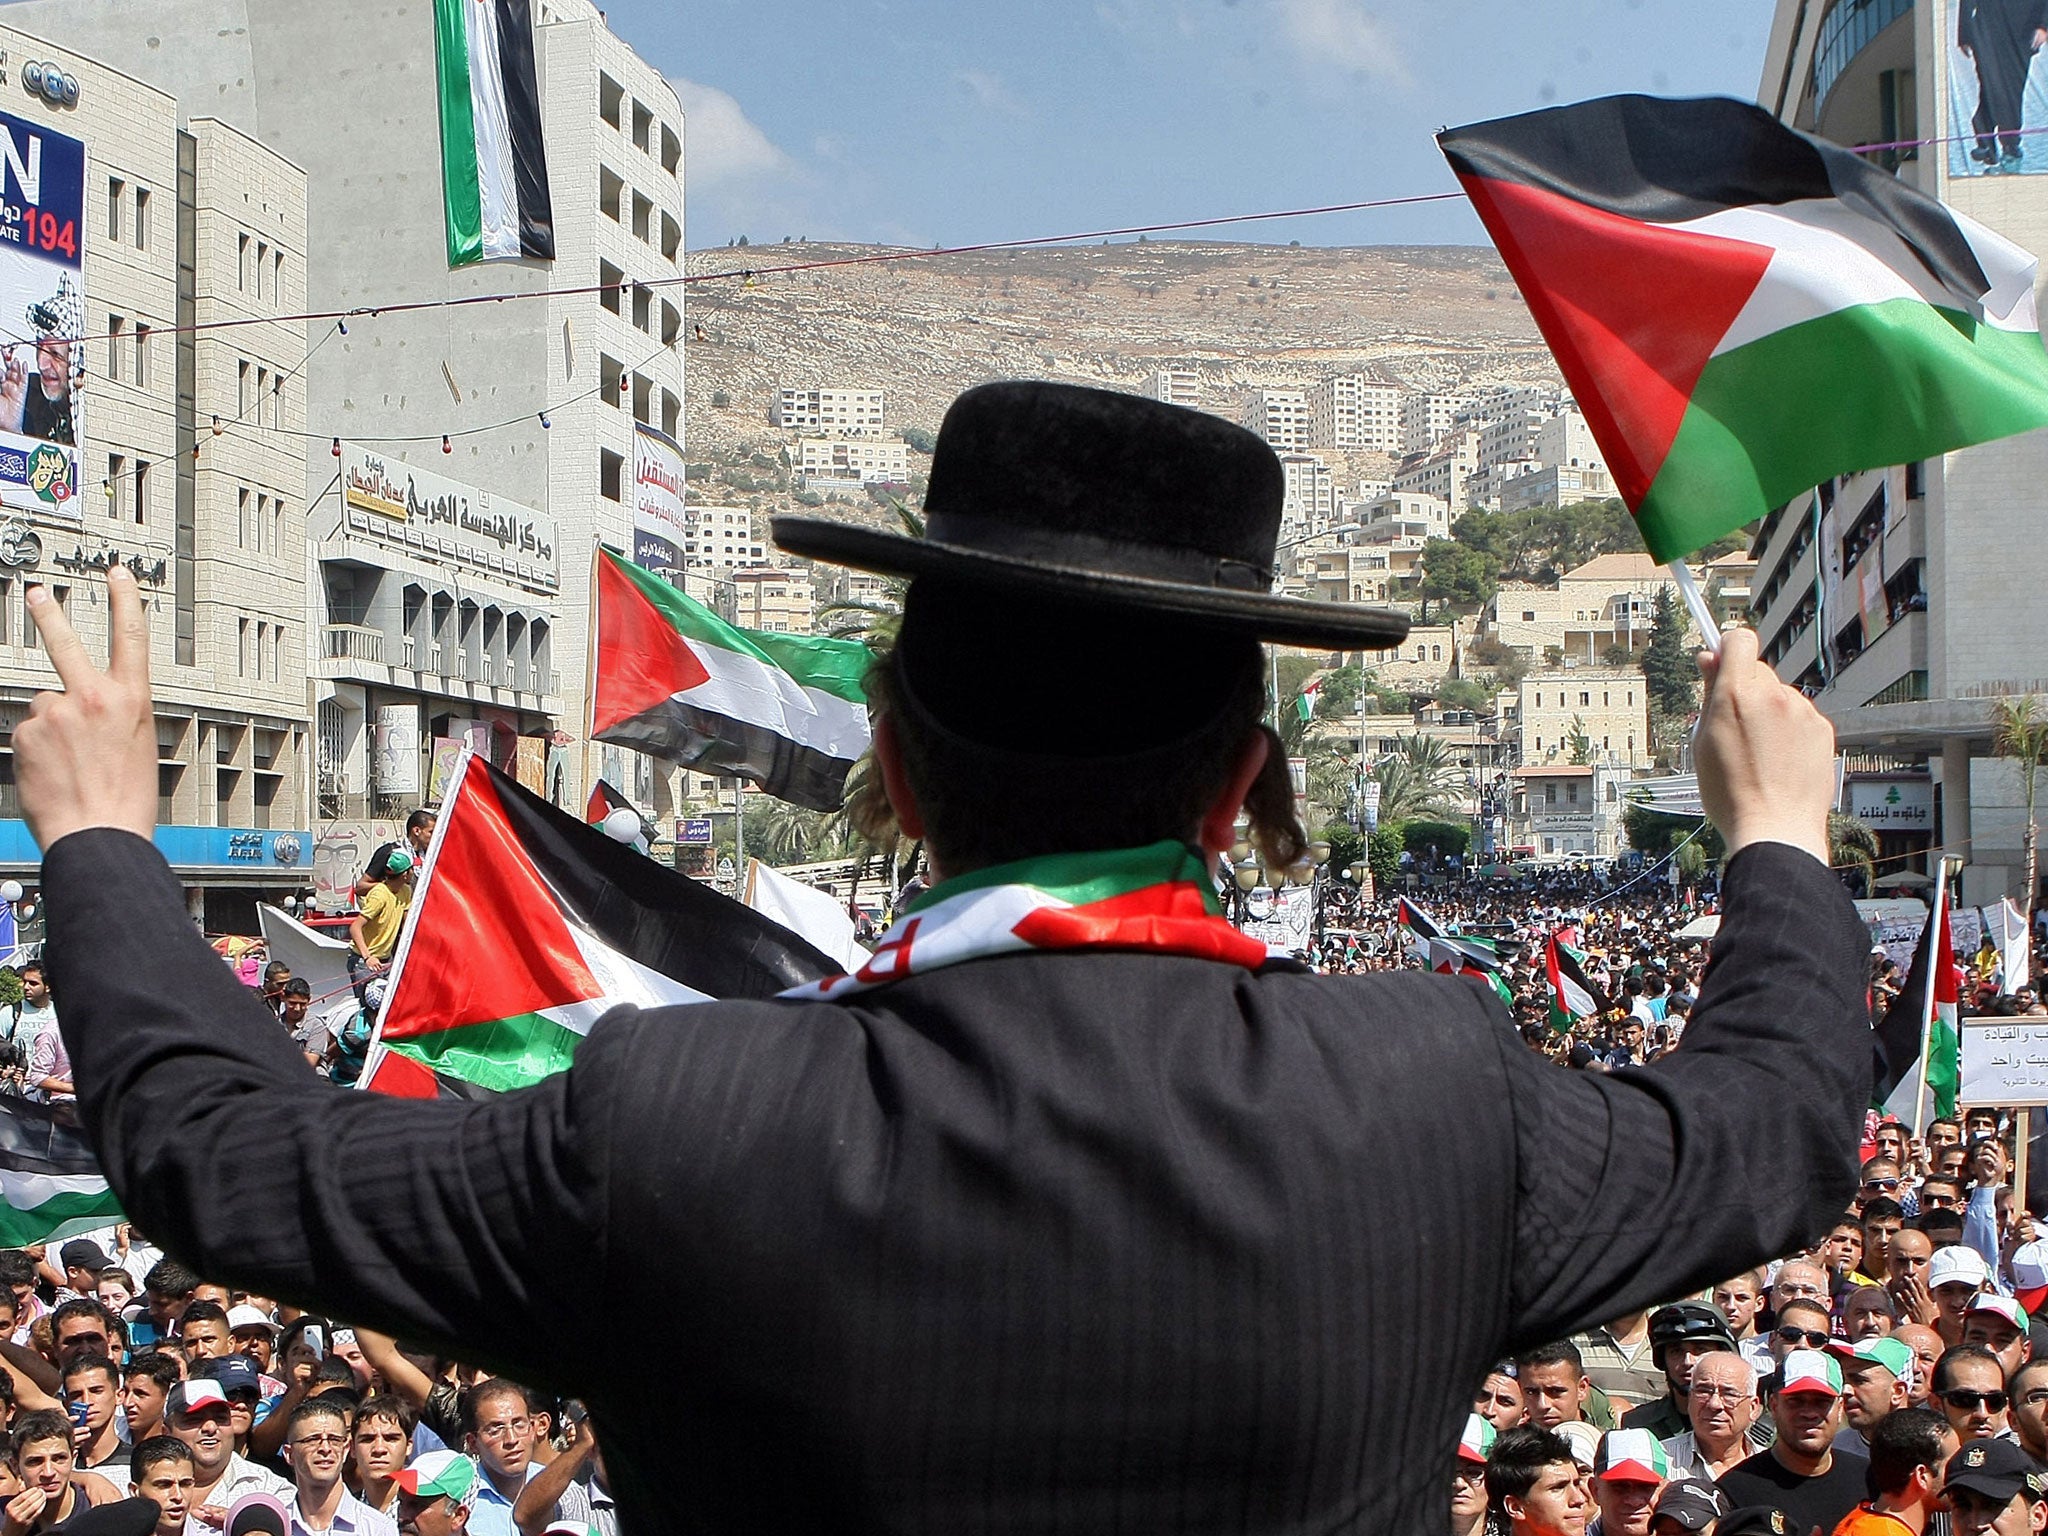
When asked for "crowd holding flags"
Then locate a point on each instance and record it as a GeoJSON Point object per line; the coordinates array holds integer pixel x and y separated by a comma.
{"type": "Point", "coordinates": [1920, 1051]}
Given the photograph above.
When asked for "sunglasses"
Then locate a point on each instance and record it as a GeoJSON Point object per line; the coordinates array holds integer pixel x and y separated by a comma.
{"type": "Point", "coordinates": [1813, 1338]}
{"type": "Point", "coordinates": [1880, 1183]}
{"type": "Point", "coordinates": [1967, 1401]}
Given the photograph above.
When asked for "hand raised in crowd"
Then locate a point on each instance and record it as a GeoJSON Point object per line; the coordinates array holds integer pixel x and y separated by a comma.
{"type": "Point", "coordinates": [86, 757]}
{"type": "Point", "coordinates": [1765, 754]}
{"type": "Point", "coordinates": [1914, 1300]}
{"type": "Point", "coordinates": [23, 1510]}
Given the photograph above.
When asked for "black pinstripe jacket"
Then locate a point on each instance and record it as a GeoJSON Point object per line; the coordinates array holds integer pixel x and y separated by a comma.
{"type": "Point", "coordinates": [1083, 1242]}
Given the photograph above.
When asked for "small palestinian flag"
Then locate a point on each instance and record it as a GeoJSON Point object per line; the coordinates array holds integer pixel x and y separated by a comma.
{"type": "Point", "coordinates": [1899, 1031]}
{"type": "Point", "coordinates": [50, 1181]}
{"type": "Point", "coordinates": [494, 170]}
{"type": "Point", "coordinates": [1306, 704]}
{"type": "Point", "coordinates": [676, 681]}
{"type": "Point", "coordinates": [1572, 993]}
{"type": "Point", "coordinates": [1469, 957]}
{"type": "Point", "coordinates": [605, 800]}
{"type": "Point", "coordinates": [1743, 311]}
{"type": "Point", "coordinates": [1417, 928]}
{"type": "Point", "coordinates": [528, 926]}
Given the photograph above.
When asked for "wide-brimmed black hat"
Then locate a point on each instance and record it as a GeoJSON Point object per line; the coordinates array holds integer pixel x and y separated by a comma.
{"type": "Point", "coordinates": [1104, 497]}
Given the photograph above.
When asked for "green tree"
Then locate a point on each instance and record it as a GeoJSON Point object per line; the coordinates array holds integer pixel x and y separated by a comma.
{"type": "Point", "coordinates": [1457, 575]}
{"type": "Point", "coordinates": [920, 439]}
{"type": "Point", "coordinates": [1418, 779]}
{"type": "Point", "coordinates": [1578, 743]}
{"type": "Point", "coordinates": [1667, 664]}
{"type": "Point", "coordinates": [1347, 845]}
{"type": "Point", "coordinates": [2019, 731]}
{"type": "Point", "coordinates": [1449, 838]}
{"type": "Point", "coordinates": [1464, 693]}
{"type": "Point", "coordinates": [1383, 854]}
{"type": "Point", "coordinates": [1853, 845]}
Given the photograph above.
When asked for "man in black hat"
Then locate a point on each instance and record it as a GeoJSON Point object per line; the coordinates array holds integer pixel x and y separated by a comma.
{"type": "Point", "coordinates": [1068, 1211]}
{"type": "Point", "coordinates": [1996, 1489]}
{"type": "Point", "coordinates": [1681, 1335]}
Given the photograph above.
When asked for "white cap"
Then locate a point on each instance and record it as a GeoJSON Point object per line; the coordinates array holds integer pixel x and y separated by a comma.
{"type": "Point", "coordinates": [246, 1316]}
{"type": "Point", "coordinates": [1957, 1265]}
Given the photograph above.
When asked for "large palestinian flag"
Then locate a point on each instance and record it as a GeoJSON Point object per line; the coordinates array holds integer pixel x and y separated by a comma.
{"type": "Point", "coordinates": [676, 681]}
{"type": "Point", "coordinates": [50, 1183]}
{"type": "Point", "coordinates": [1573, 996]}
{"type": "Point", "coordinates": [494, 169]}
{"type": "Point", "coordinates": [1899, 1034]}
{"type": "Point", "coordinates": [1743, 311]}
{"type": "Point", "coordinates": [529, 925]}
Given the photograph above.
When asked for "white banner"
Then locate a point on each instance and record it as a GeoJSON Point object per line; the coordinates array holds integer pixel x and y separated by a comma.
{"type": "Point", "coordinates": [2005, 1062]}
{"type": "Point", "coordinates": [661, 526]}
{"type": "Point", "coordinates": [402, 506]}
{"type": "Point", "coordinates": [396, 766]}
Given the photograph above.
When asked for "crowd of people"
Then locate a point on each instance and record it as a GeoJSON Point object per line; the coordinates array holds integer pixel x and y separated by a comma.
{"type": "Point", "coordinates": [1888, 1377]}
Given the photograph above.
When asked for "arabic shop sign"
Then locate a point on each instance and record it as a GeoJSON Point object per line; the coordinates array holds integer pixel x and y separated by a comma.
{"type": "Point", "coordinates": [149, 572]}
{"type": "Point", "coordinates": [405, 507]}
{"type": "Point", "coordinates": [1893, 805]}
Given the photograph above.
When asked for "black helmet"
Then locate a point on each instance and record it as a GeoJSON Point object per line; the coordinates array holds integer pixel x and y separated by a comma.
{"type": "Point", "coordinates": [1688, 1322]}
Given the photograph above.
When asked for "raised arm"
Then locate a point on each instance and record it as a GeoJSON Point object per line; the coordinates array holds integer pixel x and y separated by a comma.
{"type": "Point", "coordinates": [438, 1221]}
{"type": "Point", "coordinates": [1740, 1145]}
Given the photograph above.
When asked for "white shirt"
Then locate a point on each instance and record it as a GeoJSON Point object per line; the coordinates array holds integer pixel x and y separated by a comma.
{"type": "Point", "coordinates": [244, 1476]}
{"type": "Point", "coordinates": [352, 1517]}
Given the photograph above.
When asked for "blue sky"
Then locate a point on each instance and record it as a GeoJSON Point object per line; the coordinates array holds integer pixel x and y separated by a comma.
{"type": "Point", "coordinates": [928, 121]}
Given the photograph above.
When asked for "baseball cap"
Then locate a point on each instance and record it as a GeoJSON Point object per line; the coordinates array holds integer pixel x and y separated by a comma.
{"type": "Point", "coordinates": [1692, 1502]}
{"type": "Point", "coordinates": [1583, 1438]}
{"type": "Point", "coordinates": [1808, 1370]}
{"type": "Point", "coordinates": [1956, 1265]}
{"type": "Point", "coordinates": [397, 862]}
{"type": "Point", "coordinates": [571, 1528]}
{"type": "Point", "coordinates": [257, 1514]}
{"type": "Point", "coordinates": [195, 1393]}
{"type": "Point", "coordinates": [2002, 1306]}
{"type": "Point", "coordinates": [438, 1475]}
{"type": "Point", "coordinates": [1630, 1456]}
{"type": "Point", "coordinates": [246, 1316]}
{"type": "Point", "coordinates": [2029, 1265]}
{"type": "Point", "coordinates": [1895, 1355]}
{"type": "Point", "coordinates": [1997, 1469]}
{"type": "Point", "coordinates": [1476, 1444]}
{"type": "Point", "coordinates": [84, 1254]}
{"type": "Point", "coordinates": [1758, 1520]}
{"type": "Point", "coordinates": [232, 1374]}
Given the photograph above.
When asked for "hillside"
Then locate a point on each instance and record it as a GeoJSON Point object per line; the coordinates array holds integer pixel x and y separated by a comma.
{"type": "Point", "coordinates": [1433, 318]}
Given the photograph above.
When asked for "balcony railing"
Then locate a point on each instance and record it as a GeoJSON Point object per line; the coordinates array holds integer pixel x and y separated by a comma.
{"type": "Point", "coordinates": [352, 642]}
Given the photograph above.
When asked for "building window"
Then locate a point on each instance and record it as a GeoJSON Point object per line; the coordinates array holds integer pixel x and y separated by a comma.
{"type": "Point", "coordinates": [277, 400]}
{"type": "Point", "coordinates": [117, 197]}
{"type": "Point", "coordinates": [142, 333]}
{"type": "Point", "coordinates": [242, 517]}
{"type": "Point", "coordinates": [241, 389]}
{"type": "Point", "coordinates": [241, 647]}
{"type": "Point", "coordinates": [142, 218]}
{"type": "Point", "coordinates": [610, 474]}
{"type": "Point", "coordinates": [1550, 793]}
{"type": "Point", "coordinates": [141, 488]}
{"type": "Point", "coordinates": [277, 277]}
{"type": "Point", "coordinates": [262, 260]}
{"type": "Point", "coordinates": [117, 471]}
{"type": "Point", "coordinates": [242, 262]}
{"type": "Point", "coordinates": [117, 338]}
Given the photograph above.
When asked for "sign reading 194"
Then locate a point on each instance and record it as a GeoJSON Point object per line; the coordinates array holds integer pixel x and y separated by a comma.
{"type": "Point", "coordinates": [34, 160]}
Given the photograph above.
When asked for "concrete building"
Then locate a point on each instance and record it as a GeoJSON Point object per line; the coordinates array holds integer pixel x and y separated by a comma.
{"type": "Point", "coordinates": [1607, 604]}
{"type": "Point", "coordinates": [1343, 574]}
{"type": "Point", "coordinates": [1310, 503]}
{"type": "Point", "coordinates": [1280, 416]}
{"type": "Point", "coordinates": [1558, 811]}
{"type": "Point", "coordinates": [1926, 608]}
{"type": "Point", "coordinates": [848, 463]}
{"type": "Point", "coordinates": [776, 599]}
{"type": "Point", "coordinates": [1350, 414]}
{"type": "Point", "coordinates": [1609, 706]}
{"type": "Point", "coordinates": [1406, 518]}
{"type": "Point", "coordinates": [1445, 473]}
{"type": "Point", "coordinates": [722, 539]}
{"type": "Point", "coordinates": [217, 540]}
{"type": "Point", "coordinates": [539, 393]}
{"type": "Point", "coordinates": [1176, 386]}
{"type": "Point", "coordinates": [1426, 420]}
{"type": "Point", "coordinates": [830, 412]}
{"type": "Point", "coordinates": [1552, 485]}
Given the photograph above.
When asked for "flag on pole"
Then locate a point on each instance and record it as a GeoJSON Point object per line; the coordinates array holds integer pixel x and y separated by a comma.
{"type": "Point", "coordinates": [1417, 929]}
{"type": "Point", "coordinates": [1898, 1033]}
{"type": "Point", "coordinates": [1470, 957]}
{"type": "Point", "coordinates": [606, 801]}
{"type": "Point", "coordinates": [1306, 704]}
{"type": "Point", "coordinates": [50, 1181]}
{"type": "Point", "coordinates": [1744, 311]}
{"type": "Point", "coordinates": [676, 681]}
{"type": "Point", "coordinates": [1572, 993]}
{"type": "Point", "coordinates": [494, 169]}
{"type": "Point", "coordinates": [528, 926]}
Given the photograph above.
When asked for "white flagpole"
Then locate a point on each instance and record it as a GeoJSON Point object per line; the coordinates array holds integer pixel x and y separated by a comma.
{"type": "Point", "coordinates": [1696, 605]}
{"type": "Point", "coordinates": [1927, 999]}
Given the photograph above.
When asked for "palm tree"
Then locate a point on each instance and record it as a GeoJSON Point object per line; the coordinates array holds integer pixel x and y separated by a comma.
{"type": "Point", "coordinates": [2019, 731]}
{"type": "Point", "coordinates": [1851, 844]}
{"type": "Point", "coordinates": [874, 621]}
{"type": "Point", "coordinates": [1419, 779]}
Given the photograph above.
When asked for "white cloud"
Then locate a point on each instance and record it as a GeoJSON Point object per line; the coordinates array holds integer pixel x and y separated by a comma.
{"type": "Point", "coordinates": [1341, 34]}
{"type": "Point", "coordinates": [723, 144]}
{"type": "Point", "coordinates": [988, 89]}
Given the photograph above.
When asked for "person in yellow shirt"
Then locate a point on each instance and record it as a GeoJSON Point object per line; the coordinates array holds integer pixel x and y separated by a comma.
{"type": "Point", "coordinates": [374, 930]}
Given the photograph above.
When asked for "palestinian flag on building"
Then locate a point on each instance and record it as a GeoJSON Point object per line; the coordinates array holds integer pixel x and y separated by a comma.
{"type": "Point", "coordinates": [1572, 993]}
{"type": "Point", "coordinates": [676, 681]}
{"type": "Point", "coordinates": [528, 925]}
{"type": "Point", "coordinates": [50, 1181]}
{"type": "Point", "coordinates": [1899, 1031]}
{"type": "Point", "coordinates": [1743, 311]}
{"type": "Point", "coordinates": [494, 170]}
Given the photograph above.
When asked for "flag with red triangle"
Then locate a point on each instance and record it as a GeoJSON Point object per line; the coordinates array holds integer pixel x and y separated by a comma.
{"type": "Point", "coordinates": [1743, 311]}
{"type": "Point", "coordinates": [529, 925]}
{"type": "Point", "coordinates": [675, 681]}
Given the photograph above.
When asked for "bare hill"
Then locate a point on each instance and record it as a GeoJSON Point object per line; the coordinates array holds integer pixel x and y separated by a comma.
{"type": "Point", "coordinates": [923, 329]}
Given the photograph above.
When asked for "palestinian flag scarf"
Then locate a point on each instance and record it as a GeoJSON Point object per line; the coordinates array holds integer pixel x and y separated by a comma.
{"type": "Point", "coordinates": [1743, 311]}
{"type": "Point", "coordinates": [1160, 898]}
